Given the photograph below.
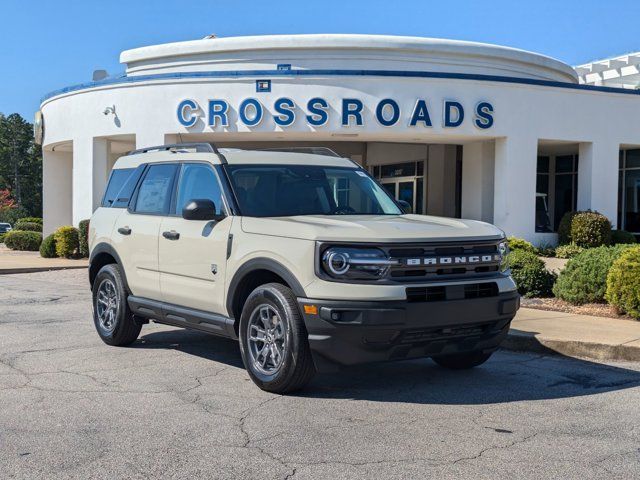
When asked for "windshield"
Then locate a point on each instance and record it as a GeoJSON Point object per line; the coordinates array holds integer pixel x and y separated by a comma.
{"type": "Point", "coordinates": [287, 190]}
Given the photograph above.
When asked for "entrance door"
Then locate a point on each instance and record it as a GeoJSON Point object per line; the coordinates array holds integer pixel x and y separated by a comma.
{"type": "Point", "coordinates": [408, 189]}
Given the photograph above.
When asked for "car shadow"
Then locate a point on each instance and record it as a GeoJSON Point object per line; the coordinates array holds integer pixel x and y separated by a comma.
{"type": "Point", "coordinates": [507, 377]}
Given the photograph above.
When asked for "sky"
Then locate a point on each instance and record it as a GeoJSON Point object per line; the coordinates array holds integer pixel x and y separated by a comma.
{"type": "Point", "coordinates": [48, 44]}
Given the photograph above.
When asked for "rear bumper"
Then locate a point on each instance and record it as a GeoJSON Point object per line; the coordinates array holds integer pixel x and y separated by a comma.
{"type": "Point", "coordinates": [349, 333]}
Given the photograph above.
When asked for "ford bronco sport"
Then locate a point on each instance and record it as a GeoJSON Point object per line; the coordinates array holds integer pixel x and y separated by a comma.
{"type": "Point", "coordinates": [304, 258]}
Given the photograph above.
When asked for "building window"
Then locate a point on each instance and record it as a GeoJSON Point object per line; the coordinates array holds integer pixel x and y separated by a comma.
{"type": "Point", "coordinates": [556, 190]}
{"type": "Point", "coordinates": [629, 191]}
{"type": "Point", "coordinates": [404, 181]}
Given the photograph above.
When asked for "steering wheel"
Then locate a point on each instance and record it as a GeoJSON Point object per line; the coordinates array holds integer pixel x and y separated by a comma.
{"type": "Point", "coordinates": [344, 210]}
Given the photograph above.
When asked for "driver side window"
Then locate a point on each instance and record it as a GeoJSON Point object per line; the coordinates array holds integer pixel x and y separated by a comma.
{"type": "Point", "coordinates": [198, 181]}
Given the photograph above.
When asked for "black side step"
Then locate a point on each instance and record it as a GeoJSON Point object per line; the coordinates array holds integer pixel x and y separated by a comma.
{"type": "Point", "coordinates": [184, 317]}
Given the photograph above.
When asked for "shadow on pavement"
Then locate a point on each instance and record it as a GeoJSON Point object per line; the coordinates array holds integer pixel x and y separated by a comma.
{"type": "Point", "coordinates": [506, 377]}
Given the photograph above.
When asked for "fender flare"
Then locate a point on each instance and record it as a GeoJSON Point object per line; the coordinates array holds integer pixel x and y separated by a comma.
{"type": "Point", "coordinates": [104, 247]}
{"type": "Point", "coordinates": [261, 264]}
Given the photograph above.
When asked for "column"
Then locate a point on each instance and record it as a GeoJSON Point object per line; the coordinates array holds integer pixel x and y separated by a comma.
{"type": "Point", "coordinates": [57, 190]}
{"type": "Point", "coordinates": [598, 178]}
{"type": "Point", "coordinates": [477, 180]}
{"type": "Point", "coordinates": [90, 173]}
{"type": "Point", "coordinates": [514, 199]}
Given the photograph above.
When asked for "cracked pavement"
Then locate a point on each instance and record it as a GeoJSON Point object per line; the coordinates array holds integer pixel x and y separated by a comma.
{"type": "Point", "coordinates": [179, 404]}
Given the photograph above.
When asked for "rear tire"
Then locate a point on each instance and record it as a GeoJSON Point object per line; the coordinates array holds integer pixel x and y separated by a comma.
{"type": "Point", "coordinates": [273, 340]}
{"type": "Point", "coordinates": [112, 317]}
{"type": "Point", "coordinates": [462, 361]}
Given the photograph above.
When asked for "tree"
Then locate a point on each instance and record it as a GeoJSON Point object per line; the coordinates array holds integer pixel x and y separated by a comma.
{"type": "Point", "coordinates": [21, 163]}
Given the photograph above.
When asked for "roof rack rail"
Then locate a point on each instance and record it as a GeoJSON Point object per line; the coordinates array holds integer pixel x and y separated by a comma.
{"type": "Point", "coordinates": [174, 147]}
{"type": "Point", "coordinates": [313, 150]}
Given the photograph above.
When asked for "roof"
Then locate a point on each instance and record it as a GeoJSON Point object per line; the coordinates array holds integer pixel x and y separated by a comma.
{"type": "Point", "coordinates": [235, 157]}
{"type": "Point", "coordinates": [622, 71]}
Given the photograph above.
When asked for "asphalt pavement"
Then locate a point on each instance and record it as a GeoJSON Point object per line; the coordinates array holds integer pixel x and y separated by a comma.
{"type": "Point", "coordinates": [178, 404]}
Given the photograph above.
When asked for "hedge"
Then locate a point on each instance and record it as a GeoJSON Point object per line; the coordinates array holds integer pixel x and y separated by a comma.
{"type": "Point", "coordinates": [2, 237]}
{"type": "Point", "coordinates": [530, 274]}
{"type": "Point", "coordinates": [623, 283]}
{"type": "Point", "coordinates": [30, 220]}
{"type": "Point", "coordinates": [21, 240]}
{"type": "Point", "coordinates": [564, 228]}
{"type": "Point", "coordinates": [67, 243]}
{"type": "Point", "coordinates": [521, 244]}
{"type": "Point", "coordinates": [584, 279]}
{"type": "Point", "coordinates": [621, 236]}
{"type": "Point", "coordinates": [83, 232]}
{"type": "Point", "coordinates": [569, 250]}
{"type": "Point", "coordinates": [48, 247]}
{"type": "Point", "coordinates": [28, 226]}
{"type": "Point", "coordinates": [590, 229]}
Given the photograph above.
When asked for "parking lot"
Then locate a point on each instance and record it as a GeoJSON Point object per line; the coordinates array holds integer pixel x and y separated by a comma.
{"type": "Point", "coordinates": [179, 404]}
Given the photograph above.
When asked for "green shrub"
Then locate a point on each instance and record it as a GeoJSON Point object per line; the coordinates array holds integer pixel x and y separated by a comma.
{"type": "Point", "coordinates": [21, 240]}
{"type": "Point", "coordinates": [584, 279]}
{"type": "Point", "coordinates": [48, 247]}
{"type": "Point", "coordinates": [569, 250]}
{"type": "Point", "coordinates": [623, 283]}
{"type": "Point", "coordinates": [621, 236]}
{"type": "Point", "coordinates": [530, 274]}
{"type": "Point", "coordinates": [30, 220]}
{"type": "Point", "coordinates": [28, 226]}
{"type": "Point", "coordinates": [564, 228]}
{"type": "Point", "coordinates": [2, 237]}
{"type": "Point", "coordinates": [546, 250]}
{"type": "Point", "coordinates": [590, 229]}
{"type": "Point", "coordinates": [521, 244]}
{"type": "Point", "coordinates": [83, 232]}
{"type": "Point", "coordinates": [67, 243]}
{"type": "Point", "coordinates": [11, 215]}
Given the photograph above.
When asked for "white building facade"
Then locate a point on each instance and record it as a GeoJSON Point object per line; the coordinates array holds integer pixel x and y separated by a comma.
{"type": "Point", "coordinates": [457, 129]}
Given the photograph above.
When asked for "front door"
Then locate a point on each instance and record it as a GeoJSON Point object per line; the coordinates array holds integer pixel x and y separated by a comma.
{"type": "Point", "coordinates": [193, 253]}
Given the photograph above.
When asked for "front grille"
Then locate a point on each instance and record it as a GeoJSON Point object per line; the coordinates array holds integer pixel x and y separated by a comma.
{"type": "Point", "coordinates": [452, 292]}
{"type": "Point", "coordinates": [431, 334]}
{"type": "Point", "coordinates": [414, 261]}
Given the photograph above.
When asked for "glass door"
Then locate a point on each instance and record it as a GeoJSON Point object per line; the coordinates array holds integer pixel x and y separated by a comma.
{"type": "Point", "coordinates": [405, 181]}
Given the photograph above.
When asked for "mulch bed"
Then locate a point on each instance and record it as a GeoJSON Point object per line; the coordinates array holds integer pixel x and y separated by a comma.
{"type": "Point", "coordinates": [555, 304]}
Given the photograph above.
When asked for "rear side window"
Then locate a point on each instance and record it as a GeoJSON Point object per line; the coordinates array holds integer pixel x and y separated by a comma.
{"type": "Point", "coordinates": [154, 194]}
{"type": "Point", "coordinates": [122, 183]}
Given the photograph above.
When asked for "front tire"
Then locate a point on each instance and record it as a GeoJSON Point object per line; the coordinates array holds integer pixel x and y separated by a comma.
{"type": "Point", "coordinates": [273, 340]}
{"type": "Point", "coordinates": [112, 317]}
{"type": "Point", "coordinates": [462, 361]}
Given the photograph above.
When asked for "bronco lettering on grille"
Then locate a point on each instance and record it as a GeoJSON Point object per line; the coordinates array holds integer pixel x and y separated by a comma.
{"type": "Point", "coordinates": [455, 260]}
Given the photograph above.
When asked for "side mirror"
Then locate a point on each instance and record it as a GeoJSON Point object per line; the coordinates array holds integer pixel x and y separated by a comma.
{"type": "Point", "coordinates": [200, 209]}
{"type": "Point", "coordinates": [405, 206]}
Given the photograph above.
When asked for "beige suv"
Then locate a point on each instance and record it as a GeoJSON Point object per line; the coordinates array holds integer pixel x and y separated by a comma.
{"type": "Point", "coordinates": [304, 258]}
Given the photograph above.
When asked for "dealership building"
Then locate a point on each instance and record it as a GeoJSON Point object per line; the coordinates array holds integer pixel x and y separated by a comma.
{"type": "Point", "coordinates": [457, 129]}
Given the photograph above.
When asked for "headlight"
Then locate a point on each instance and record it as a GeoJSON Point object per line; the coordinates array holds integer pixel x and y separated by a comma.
{"type": "Point", "coordinates": [503, 250]}
{"type": "Point", "coordinates": [356, 263]}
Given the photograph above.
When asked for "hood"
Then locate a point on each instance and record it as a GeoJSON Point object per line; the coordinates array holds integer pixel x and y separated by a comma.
{"type": "Point", "coordinates": [368, 228]}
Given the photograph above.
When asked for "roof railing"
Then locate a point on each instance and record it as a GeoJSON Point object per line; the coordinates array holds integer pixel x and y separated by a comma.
{"type": "Point", "coordinates": [200, 147]}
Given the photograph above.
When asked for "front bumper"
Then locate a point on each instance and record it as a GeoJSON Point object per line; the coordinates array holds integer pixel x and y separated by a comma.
{"type": "Point", "coordinates": [349, 333]}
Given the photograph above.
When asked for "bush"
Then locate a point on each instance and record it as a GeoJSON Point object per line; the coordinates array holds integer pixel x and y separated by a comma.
{"type": "Point", "coordinates": [67, 243]}
{"type": "Point", "coordinates": [564, 228]}
{"type": "Point", "coordinates": [584, 279]}
{"type": "Point", "coordinates": [623, 283]}
{"type": "Point", "coordinates": [569, 250]}
{"type": "Point", "coordinates": [530, 274]}
{"type": "Point", "coordinates": [546, 250]}
{"type": "Point", "coordinates": [20, 240]}
{"type": "Point", "coordinates": [621, 236]}
{"type": "Point", "coordinates": [590, 229]}
{"type": "Point", "coordinates": [48, 247]}
{"type": "Point", "coordinates": [521, 244]}
{"type": "Point", "coordinates": [2, 237]}
{"type": "Point", "coordinates": [28, 226]}
{"type": "Point", "coordinates": [12, 215]}
{"type": "Point", "coordinates": [30, 220]}
{"type": "Point", "coordinates": [83, 232]}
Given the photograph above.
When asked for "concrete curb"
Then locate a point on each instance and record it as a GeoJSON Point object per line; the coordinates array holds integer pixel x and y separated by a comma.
{"type": "Point", "coordinates": [528, 342]}
{"type": "Point", "coordinates": [8, 271]}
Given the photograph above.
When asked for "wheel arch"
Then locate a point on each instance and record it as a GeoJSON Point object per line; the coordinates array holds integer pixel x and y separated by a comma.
{"type": "Point", "coordinates": [101, 255]}
{"type": "Point", "coordinates": [254, 273]}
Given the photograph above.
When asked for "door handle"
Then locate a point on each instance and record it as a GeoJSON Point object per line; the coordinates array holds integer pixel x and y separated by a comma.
{"type": "Point", "coordinates": [124, 231]}
{"type": "Point", "coordinates": [172, 235]}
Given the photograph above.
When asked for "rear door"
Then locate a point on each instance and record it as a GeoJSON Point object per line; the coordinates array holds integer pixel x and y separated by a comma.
{"type": "Point", "coordinates": [135, 235]}
{"type": "Point", "coordinates": [193, 253]}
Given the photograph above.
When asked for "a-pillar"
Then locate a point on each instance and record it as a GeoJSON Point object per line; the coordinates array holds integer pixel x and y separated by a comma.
{"type": "Point", "coordinates": [514, 198]}
{"type": "Point", "coordinates": [598, 178]}
{"type": "Point", "coordinates": [57, 188]}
